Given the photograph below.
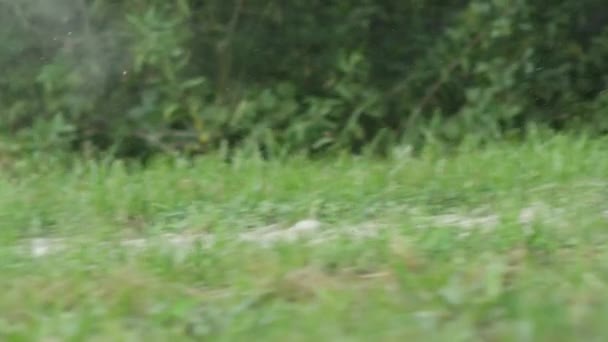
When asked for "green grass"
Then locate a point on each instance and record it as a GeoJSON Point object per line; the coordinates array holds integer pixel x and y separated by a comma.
{"type": "Point", "coordinates": [508, 243]}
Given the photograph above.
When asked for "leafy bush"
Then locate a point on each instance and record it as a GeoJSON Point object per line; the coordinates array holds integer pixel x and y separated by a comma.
{"type": "Point", "coordinates": [145, 76]}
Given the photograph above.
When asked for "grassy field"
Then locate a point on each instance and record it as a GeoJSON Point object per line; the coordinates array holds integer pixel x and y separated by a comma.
{"type": "Point", "coordinates": [508, 243]}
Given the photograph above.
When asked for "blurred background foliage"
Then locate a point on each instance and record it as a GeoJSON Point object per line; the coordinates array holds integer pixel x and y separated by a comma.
{"type": "Point", "coordinates": [144, 76]}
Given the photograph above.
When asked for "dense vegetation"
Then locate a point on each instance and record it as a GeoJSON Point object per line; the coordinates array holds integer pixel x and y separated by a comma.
{"type": "Point", "coordinates": [505, 242]}
{"type": "Point", "coordinates": [300, 75]}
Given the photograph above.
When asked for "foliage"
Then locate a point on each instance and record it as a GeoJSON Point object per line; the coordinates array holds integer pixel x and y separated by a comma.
{"type": "Point", "coordinates": [296, 76]}
{"type": "Point", "coordinates": [427, 248]}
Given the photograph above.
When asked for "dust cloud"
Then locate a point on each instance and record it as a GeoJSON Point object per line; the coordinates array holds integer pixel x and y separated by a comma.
{"type": "Point", "coordinates": [82, 40]}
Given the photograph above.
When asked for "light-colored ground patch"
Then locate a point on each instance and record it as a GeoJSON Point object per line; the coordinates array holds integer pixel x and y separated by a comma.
{"type": "Point", "coordinates": [313, 232]}
{"type": "Point", "coordinates": [309, 231]}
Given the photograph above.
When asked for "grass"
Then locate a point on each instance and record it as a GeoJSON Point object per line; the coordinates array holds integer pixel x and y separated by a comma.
{"type": "Point", "coordinates": [500, 244]}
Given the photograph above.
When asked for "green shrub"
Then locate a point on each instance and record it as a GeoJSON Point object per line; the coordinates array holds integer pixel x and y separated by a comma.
{"type": "Point", "coordinates": [192, 75]}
